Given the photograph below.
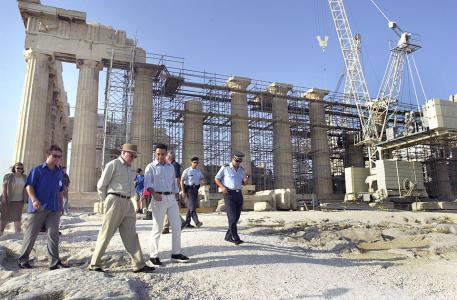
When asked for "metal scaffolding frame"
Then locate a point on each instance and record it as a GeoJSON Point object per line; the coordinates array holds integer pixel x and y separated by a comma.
{"type": "Point", "coordinates": [175, 85]}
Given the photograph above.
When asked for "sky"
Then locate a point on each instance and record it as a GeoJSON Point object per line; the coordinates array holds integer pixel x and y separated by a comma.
{"type": "Point", "coordinates": [264, 40]}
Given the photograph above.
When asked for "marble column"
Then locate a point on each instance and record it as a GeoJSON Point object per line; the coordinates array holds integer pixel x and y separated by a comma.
{"type": "Point", "coordinates": [282, 143]}
{"type": "Point", "coordinates": [84, 142]}
{"type": "Point", "coordinates": [193, 133]}
{"type": "Point", "coordinates": [141, 133]}
{"type": "Point", "coordinates": [31, 131]}
{"type": "Point", "coordinates": [240, 123]}
{"type": "Point", "coordinates": [320, 150]}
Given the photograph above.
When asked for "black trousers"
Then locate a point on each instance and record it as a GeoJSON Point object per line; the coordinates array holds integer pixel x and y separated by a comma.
{"type": "Point", "coordinates": [191, 202]}
{"type": "Point", "coordinates": [233, 201]}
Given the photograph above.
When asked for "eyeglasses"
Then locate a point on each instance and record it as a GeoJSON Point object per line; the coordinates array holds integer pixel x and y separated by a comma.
{"type": "Point", "coordinates": [195, 162]}
{"type": "Point", "coordinates": [57, 155]}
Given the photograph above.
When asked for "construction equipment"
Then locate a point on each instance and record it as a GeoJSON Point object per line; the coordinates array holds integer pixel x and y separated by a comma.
{"type": "Point", "coordinates": [374, 114]}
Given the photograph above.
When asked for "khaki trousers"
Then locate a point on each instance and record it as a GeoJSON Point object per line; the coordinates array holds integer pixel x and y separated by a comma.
{"type": "Point", "coordinates": [119, 214]}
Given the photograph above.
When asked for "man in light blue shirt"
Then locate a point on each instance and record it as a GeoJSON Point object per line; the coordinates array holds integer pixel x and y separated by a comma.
{"type": "Point", "coordinates": [160, 181]}
{"type": "Point", "coordinates": [230, 179]}
{"type": "Point", "coordinates": [190, 183]}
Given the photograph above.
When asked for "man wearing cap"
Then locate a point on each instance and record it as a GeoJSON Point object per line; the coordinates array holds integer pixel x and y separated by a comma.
{"type": "Point", "coordinates": [190, 183]}
{"type": "Point", "coordinates": [230, 179]}
{"type": "Point", "coordinates": [160, 180]}
{"type": "Point", "coordinates": [115, 188]}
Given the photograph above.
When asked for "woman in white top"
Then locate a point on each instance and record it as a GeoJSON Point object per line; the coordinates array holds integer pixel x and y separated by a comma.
{"type": "Point", "coordinates": [13, 198]}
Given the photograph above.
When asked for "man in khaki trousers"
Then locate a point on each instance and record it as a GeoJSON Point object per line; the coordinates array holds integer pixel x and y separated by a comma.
{"type": "Point", "coordinates": [115, 188]}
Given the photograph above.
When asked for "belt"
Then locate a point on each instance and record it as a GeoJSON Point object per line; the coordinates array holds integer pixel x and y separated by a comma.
{"type": "Point", "coordinates": [193, 186]}
{"type": "Point", "coordinates": [165, 193]}
{"type": "Point", "coordinates": [119, 195]}
{"type": "Point", "coordinates": [234, 191]}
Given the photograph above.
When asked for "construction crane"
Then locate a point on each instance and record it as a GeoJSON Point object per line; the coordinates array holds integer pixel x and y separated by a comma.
{"type": "Point", "coordinates": [374, 114]}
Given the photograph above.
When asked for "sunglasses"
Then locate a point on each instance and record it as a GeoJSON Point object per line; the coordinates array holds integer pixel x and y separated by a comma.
{"type": "Point", "coordinates": [56, 155]}
{"type": "Point", "coordinates": [238, 160]}
{"type": "Point", "coordinates": [195, 162]}
{"type": "Point", "coordinates": [19, 168]}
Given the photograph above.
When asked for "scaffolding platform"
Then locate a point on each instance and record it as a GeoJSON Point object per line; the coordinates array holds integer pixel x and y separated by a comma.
{"type": "Point", "coordinates": [171, 86]}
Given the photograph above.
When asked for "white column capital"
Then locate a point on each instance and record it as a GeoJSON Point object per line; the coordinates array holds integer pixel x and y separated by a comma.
{"type": "Point", "coordinates": [238, 82]}
{"type": "Point", "coordinates": [315, 94]}
{"type": "Point", "coordinates": [88, 63]}
{"type": "Point", "coordinates": [33, 54]}
{"type": "Point", "coordinates": [279, 88]}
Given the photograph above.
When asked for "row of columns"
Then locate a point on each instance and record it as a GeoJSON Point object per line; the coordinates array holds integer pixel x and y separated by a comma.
{"type": "Point", "coordinates": [84, 140]}
{"type": "Point", "coordinates": [282, 142]}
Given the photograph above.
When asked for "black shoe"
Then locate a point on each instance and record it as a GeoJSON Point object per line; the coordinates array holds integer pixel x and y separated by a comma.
{"type": "Point", "coordinates": [199, 224]}
{"type": "Point", "coordinates": [190, 226]}
{"type": "Point", "coordinates": [148, 216]}
{"type": "Point", "coordinates": [179, 258]}
{"type": "Point", "coordinates": [59, 265]}
{"type": "Point", "coordinates": [238, 242]}
{"type": "Point", "coordinates": [155, 261]}
{"type": "Point", "coordinates": [145, 269]}
{"type": "Point", "coordinates": [183, 225]}
{"type": "Point", "coordinates": [229, 239]}
{"type": "Point", "coordinates": [166, 231]}
{"type": "Point", "coordinates": [96, 269]}
{"type": "Point", "coordinates": [24, 265]}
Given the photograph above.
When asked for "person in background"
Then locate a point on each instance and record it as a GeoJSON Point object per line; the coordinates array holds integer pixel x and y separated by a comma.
{"type": "Point", "coordinates": [190, 183]}
{"type": "Point", "coordinates": [146, 201]}
{"type": "Point", "coordinates": [115, 188]}
{"type": "Point", "coordinates": [230, 179]}
{"type": "Point", "coordinates": [45, 189]}
{"type": "Point", "coordinates": [171, 160]}
{"type": "Point", "coordinates": [13, 198]}
{"type": "Point", "coordinates": [160, 180]}
{"type": "Point", "coordinates": [66, 185]}
{"type": "Point", "coordinates": [139, 188]}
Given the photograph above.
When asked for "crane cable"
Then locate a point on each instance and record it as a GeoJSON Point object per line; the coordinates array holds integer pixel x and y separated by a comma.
{"type": "Point", "coordinates": [379, 9]}
{"type": "Point", "coordinates": [414, 85]}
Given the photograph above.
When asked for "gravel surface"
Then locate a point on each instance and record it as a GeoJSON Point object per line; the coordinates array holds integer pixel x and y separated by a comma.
{"type": "Point", "coordinates": [287, 255]}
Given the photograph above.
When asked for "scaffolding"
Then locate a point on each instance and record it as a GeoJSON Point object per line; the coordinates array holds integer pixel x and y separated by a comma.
{"type": "Point", "coordinates": [175, 85]}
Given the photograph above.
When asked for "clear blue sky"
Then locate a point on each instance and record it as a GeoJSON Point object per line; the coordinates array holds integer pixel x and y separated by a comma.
{"type": "Point", "coordinates": [267, 40]}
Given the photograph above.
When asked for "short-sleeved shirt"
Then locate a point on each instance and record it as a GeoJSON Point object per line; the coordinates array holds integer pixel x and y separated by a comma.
{"type": "Point", "coordinates": [192, 176]}
{"type": "Point", "coordinates": [230, 177]}
{"type": "Point", "coordinates": [177, 168]}
{"type": "Point", "coordinates": [160, 177]}
{"type": "Point", "coordinates": [47, 184]}
{"type": "Point", "coordinates": [139, 183]}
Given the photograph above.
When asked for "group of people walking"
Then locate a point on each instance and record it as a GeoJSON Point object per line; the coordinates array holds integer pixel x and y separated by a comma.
{"type": "Point", "coordinates": [46, 187]}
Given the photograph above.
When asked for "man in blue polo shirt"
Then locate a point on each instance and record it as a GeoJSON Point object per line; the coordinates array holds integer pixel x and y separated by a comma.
{"type": "Point", "coordinates": [45, 188]}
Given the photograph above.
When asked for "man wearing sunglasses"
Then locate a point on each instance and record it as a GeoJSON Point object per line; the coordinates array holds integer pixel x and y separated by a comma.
{"type": "Point", "coordinates": [230, 179]}
{"type": "Point", "coordinates": [44, 186]}
{"type": "Point", "coordinates": [115, 187]}
{"type": "Point", "coordinates": [190, 183]}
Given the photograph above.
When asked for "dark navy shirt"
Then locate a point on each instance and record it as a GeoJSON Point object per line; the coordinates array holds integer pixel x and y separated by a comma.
{"type": "Point", "coordinates": [177, 168]}
{"type": "Point", "coordinates": [139, 183]}
{"type": "Point", "coordinates": [47, 184]}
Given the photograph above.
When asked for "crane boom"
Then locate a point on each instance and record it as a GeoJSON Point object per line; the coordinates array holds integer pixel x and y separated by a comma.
{"type": "Point", "coordinates": [356, 86]}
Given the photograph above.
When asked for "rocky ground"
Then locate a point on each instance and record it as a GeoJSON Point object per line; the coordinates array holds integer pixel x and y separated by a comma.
{"type": "Point", "coordinates": [287, 255]}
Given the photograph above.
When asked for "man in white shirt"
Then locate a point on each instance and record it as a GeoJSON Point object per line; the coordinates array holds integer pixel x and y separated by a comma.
{"type": "Point", "coordinates": [190, 183]}
{"type": "Point", "coordinates": [160, 181]}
